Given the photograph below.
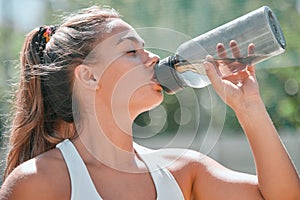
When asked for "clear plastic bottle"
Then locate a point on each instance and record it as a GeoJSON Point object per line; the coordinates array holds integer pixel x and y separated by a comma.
{"type": "Point", "coordinates": [185, 69]}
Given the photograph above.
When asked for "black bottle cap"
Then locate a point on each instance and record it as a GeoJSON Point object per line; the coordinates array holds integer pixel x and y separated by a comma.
{"type": "Point", "coordinates": [167, 76]}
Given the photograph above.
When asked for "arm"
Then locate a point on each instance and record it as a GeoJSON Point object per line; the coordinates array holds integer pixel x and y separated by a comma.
{"type": "Point", "coordinates": [214, 181]}
{"type": "Point", "coordinates": [277, 176]}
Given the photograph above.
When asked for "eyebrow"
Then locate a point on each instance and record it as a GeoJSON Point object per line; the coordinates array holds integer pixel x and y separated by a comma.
{"type": "Point", "coordinates": [132, 38]}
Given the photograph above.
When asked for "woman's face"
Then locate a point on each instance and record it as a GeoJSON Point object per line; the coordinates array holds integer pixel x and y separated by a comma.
{"type": "Point", "coordinates": [126, 72]}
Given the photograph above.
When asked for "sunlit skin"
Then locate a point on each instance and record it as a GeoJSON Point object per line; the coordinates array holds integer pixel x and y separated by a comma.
{"type": "Point", "coordinates": [112, 92]}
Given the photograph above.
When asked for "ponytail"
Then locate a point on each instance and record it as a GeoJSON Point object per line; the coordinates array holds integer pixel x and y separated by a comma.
{"type": "Point", "coordinates": [36, 128]}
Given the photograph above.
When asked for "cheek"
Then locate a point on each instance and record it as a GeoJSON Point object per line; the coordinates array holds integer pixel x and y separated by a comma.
{"type": "Point", "coordinates": [125, 83]}
{"type": "Point", "coordinates": [125, 67]}
{"type": "Point", "coordinates": [129, 74]}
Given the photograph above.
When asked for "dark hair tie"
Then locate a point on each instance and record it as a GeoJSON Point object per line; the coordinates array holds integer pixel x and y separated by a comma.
{"type": "Point", "coordinates": [43, 36]}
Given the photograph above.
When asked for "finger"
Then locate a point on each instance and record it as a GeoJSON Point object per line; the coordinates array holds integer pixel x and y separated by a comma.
{"type": "Point", "coordinates": [251, 70]}
{"type": "Point", "coordinates": [210, 59]}
{"type": "Point", "coordinates": [235, 49]}
{"type": "Point", "coordinates": [212, 73]}
{"type": "Point", "coordinates": [221, 50]}
{"type": "Point", "coordinates": [251, 49]}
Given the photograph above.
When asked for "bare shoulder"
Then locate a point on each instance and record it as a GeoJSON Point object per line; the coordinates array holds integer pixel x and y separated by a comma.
{"type": "Point", "coordinates": [200, 176]}
{"type": "Point", "coordinates": [43, 177]}
{"type": "Point", "coordinates": [177, 158]}
{"type": "Point", "coordinates": [196, 162]}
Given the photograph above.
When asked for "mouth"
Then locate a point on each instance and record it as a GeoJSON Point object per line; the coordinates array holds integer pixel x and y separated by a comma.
{"type": "Point", "coordinates": [156, 85]}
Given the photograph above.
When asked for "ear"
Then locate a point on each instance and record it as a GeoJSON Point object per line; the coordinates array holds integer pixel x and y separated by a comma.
{"type": "Point", "coordinates": [85, 77]}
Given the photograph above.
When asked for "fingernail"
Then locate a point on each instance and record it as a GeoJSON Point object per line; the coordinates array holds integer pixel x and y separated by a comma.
{"type": "Point", "coordinates": [232, 43]}
{"type": "Point", "coordinates": [205, 65]}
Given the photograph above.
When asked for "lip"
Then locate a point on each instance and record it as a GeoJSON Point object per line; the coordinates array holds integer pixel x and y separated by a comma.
{"type": "Point", "coordinates": [156, 85]}
{"type": "Point", "coordinates": [154, 79]}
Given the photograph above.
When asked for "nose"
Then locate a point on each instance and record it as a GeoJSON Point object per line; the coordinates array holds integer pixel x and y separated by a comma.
{"type": "Point", "coordinates": [152, 59]}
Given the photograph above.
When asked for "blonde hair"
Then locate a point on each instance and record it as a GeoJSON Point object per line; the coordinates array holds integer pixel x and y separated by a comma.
{"type": "Point", "coordinates": [43, 114]}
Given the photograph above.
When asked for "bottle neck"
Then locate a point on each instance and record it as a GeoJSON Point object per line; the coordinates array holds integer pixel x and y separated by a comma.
{"type": "Point", "coordinates": [173, 60]}
{"type": "Point", "coordinates": [167, 76]}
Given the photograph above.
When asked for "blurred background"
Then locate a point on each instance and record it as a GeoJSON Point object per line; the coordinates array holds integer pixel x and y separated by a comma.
{"type": "Point", "coordinates": [193, 118]}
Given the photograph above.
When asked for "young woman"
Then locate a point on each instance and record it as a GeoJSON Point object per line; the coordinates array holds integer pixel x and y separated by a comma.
{"type": "Point", "coordinates": [82, 85]}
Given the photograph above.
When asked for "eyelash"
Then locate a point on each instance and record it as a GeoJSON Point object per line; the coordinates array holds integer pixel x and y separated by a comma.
{"type": "Point", "coordinates": [132, 51]}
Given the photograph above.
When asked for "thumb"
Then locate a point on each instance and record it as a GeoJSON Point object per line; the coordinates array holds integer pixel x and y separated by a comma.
{"type": "Point", "coordinates": [212, 73]}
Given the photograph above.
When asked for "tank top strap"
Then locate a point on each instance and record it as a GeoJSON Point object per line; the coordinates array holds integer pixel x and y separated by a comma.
{"type": "Point", "coordinates": [82, 186]}
{"type": "Point", "coordinates": [165, 183]}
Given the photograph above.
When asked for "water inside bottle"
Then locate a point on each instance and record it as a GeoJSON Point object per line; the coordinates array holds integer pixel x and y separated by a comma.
{"type": "Point", "coordinates": [227, 66]}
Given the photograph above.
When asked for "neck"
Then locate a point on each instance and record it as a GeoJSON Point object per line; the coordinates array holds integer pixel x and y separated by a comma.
{"type": "Point", "coordinates": [107, 139]}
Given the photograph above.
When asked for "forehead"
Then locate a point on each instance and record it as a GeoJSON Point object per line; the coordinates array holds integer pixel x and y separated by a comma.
{"type": "Point", "coordinates": [111, 44]}
{"type": "Point", "coordinates": [118, 31]}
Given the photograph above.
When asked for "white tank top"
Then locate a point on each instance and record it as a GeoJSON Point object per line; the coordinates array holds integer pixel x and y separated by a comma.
{"type": "Point", "coordinates": [82, 186]}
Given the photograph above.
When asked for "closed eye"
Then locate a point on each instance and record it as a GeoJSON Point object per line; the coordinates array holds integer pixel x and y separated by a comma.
{"type": "Point", "coordinates": [132, 51]}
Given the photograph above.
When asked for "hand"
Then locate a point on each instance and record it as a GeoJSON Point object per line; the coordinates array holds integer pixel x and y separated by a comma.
{"type": "Point", "coordinates": [239, 88]}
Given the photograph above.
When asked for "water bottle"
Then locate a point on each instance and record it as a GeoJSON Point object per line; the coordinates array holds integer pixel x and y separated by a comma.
{"type": "Point", "coordinates": [185, 68]}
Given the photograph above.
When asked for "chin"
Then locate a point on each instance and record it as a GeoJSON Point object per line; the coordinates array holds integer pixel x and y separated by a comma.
{"type": "Point", "coordinates": [156, 99]}
{"type": "Point", "coordinates": [146, 99]}
{"type": "Point", "coordinates": [146, 105]}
